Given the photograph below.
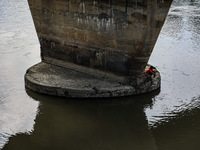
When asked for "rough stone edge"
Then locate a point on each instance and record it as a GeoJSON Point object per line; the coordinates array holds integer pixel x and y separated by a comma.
{"type": "Point", "coordinates": [149, 85]}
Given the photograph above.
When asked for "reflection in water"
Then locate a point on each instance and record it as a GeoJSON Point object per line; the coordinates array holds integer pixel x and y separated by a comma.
{"type": "Point", "coordinates": [17, 109]}
{"type": "Point", "coordinates": [166, 119]}
{"type": "Point", "coordinates": [116, 124]}
{"type": "Point", "coordinates": [182, 130]}
{"type": "Point", "coordinates": [178, 48]}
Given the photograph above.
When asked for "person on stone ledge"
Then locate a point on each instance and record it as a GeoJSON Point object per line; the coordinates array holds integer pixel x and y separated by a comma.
{"type": "Point", "coordinates": [150, 71]}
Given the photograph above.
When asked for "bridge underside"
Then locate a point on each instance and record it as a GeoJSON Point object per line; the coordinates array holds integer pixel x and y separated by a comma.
{"type": "Point", "coordinates": [105, 43]}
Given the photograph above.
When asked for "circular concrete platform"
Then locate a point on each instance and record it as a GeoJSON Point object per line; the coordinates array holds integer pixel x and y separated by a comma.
{"type": "Point", "coordinates": [59, 81]}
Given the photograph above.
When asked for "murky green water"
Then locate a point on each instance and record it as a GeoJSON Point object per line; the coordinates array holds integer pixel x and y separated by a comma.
{"type": "Point", "coordinates": [167, 119]}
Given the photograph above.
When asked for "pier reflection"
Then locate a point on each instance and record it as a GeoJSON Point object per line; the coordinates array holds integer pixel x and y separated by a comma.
{"type": "Point", "coordinates": [88, 124]}
{"type": "Point", "coordinates": [179, 129]}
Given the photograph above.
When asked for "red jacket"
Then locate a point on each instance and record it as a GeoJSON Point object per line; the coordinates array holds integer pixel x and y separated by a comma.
{"type": "Point", "coordinates": [149, 71]}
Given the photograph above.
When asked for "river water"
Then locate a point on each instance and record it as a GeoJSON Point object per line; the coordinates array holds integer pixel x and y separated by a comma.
{"type": "Point", "coordinates": [168, 118]}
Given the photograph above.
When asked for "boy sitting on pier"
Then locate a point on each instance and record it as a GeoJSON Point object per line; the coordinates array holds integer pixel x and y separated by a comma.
{"type": "Point", "coordinates": [150, 71]}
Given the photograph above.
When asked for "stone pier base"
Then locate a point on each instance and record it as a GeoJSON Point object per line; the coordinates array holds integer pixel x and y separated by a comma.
{"type": "Point", "coordinates": [59, 81]}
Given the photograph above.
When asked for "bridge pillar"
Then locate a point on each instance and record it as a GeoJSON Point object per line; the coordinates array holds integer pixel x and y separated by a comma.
{"type": "Point", "coordinates": [95, 48]}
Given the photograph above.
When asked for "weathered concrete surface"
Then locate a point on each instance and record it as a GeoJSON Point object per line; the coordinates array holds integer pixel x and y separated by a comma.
{"type": "Point", "coordinates": [109, 40]}
{"type": "Point", "coordinates": [59, 81]}
{"type": "Point", "coordinates": [116, 36]}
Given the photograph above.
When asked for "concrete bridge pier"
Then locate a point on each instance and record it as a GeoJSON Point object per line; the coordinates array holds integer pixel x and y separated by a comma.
{"type": "Point", "coordinates": [95, 48]}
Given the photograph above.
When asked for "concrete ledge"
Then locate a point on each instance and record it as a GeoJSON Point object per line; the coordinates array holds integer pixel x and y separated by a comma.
{"type": "Point", "coordinates": [59, 81]}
